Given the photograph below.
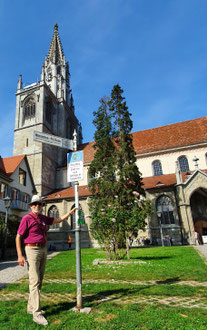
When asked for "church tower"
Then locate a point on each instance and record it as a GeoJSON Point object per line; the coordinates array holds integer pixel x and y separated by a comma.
{"type": "Point", "coordinates": [46, 106]}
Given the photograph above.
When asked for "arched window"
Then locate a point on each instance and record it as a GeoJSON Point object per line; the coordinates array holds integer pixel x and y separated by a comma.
{"type": "Point", "coordinates": [183, 162]}
{"type": "Point", "coordinates": [29, 108]}
{"type": "Point", "coordinates": [157, 168]}
{"type": "Point", "coordinates": [54, 213]}
{"type": "Point", "coordinates": [165, 210]}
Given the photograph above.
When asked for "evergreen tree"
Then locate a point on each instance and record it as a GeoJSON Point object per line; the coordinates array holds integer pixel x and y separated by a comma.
{"type": "Point", "coordinates": [133, 208]}
{"type": "Point", "coordinates": [103, 179]}
{"type": "Point", "coordinates": [117, 207]}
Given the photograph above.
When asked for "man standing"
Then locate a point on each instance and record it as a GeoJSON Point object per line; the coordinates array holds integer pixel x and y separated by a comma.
{"type": "Point", "coordinates": [32, 228]}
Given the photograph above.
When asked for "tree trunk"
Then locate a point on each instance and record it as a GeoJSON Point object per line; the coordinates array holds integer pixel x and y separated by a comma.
{"type": "Point", "coordinates": [108, 251]}
{"type": "Point", "coordinates": [127, 247]}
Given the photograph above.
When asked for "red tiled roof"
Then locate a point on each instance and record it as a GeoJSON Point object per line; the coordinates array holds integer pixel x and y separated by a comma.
{"type": "Point", "coordinates": [160, 138]}
{"type": "Point", "coordinates": [164, 180]}
{"type": "Point", "coordinates": [151, 182]}
{"type": "Point", "coordinates": [88, 151]}
{"type": "Point", "coordinates": [148, 183]}
{"type": "Point", "coordinates": [10, 164]}
{"type": "Point", "coordinates": [171, 136]}
{"type": "Point", "coordinates": [159, 181]}
{"type": "Point", "coordinates": [2, 172]}
{"type": "Point", "coordinates": [69, 193]}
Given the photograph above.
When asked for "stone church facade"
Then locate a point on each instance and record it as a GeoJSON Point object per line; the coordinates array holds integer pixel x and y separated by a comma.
{"type": "Point", "coordinates": [171, 158]}
{"type": "Point", "coordinates": [46, 106]}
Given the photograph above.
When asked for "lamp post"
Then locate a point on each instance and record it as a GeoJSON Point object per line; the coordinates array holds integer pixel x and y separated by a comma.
{"type": "Point", "coordinates": [159, 213]}
{"type": "Point", "coordinates": [7, 202]}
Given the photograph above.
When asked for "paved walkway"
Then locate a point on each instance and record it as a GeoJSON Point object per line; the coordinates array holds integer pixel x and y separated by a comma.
{"type": "Point", "coordinates": [202, 249]}
{"type": "Point", "coordinates": [10, 271]}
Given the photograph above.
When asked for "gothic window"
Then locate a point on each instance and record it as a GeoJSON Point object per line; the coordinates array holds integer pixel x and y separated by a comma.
{"type": "Point", "coordinates": [157, 168]}
{"type": "Point", "coordinates": [72, 217]}
{"type": "Point", "coordinates": [54, 213]}
{"type": "Point", "coordinates": [29, 109]}
{"type": "Point", "coordinates": [165, 210]}
{"type": "Point", "coordinates": [22, 177]}
{"type": "Point", "coordinates": [49, 111]}
{"type": "Point", "coordinates": [183, 162]}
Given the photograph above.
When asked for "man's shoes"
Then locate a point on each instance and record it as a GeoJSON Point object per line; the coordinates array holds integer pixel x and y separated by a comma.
{"type": "Point", "coordinates": [29, 311]}
{"type": "Point", "coordinates": [40, 319]}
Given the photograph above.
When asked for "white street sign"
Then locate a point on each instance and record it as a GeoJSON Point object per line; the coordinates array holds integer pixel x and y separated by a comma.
{"type": "Point", "coordinates": [53, 140]}
{"type": "Point", "coordinates": [75, 166]}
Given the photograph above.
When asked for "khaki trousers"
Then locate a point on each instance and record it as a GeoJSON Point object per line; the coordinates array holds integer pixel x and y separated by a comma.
{"type": "Point", "coordinates": [36, 257]}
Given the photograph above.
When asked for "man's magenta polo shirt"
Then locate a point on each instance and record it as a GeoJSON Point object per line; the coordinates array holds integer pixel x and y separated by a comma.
{"type": "Point", "coordinates": [31, 230]}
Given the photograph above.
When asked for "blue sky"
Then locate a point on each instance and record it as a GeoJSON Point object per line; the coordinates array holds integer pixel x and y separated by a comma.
{"type": "Point", "coordinates": [155, 49]}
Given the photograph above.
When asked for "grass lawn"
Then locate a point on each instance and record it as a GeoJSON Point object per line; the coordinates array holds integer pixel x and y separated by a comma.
{"type": "Point", "coordinates": [160, 288]}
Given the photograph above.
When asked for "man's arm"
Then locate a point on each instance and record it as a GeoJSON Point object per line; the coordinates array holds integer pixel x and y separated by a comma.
{"type": "Point", "coordinates": [64, 217]}
{"type": "Point", "coordinates": [21, 258]}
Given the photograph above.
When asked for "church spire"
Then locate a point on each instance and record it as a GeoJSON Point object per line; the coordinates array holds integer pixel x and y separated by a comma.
{"type": "Point", "coordinates": [55, 70]}
{"type": "Point", "coordinates": [55, 54]}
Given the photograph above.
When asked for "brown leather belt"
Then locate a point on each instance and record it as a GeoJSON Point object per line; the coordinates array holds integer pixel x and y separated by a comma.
{"type": "Point", "coordinates": [42, 245]}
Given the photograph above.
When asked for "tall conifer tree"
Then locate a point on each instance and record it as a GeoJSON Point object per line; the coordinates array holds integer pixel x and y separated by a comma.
{"type": "Point", "coordinates": [128, 175]}
{"type": "Point", "coordinates": [102, 173]}
{"type": "Point", "coordinates": [117, 208]}
{"type": "Point", "coordinates": [133, 208]}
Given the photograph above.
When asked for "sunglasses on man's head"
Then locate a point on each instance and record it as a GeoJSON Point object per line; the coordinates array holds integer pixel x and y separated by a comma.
{"type": "Point", "coordinates": [37, 203]}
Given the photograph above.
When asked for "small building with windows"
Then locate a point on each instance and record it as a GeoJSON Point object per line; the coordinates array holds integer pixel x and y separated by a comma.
{"type": "Point", "coordinates": [16, 182]}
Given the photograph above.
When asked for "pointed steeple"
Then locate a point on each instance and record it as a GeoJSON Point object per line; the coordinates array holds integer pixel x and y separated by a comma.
{"type": "Point", "coordinates": [55, 54]}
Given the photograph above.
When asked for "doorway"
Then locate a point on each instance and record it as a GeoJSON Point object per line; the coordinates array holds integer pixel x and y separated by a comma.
{"type": "Point", "coordinates": [198, 203]}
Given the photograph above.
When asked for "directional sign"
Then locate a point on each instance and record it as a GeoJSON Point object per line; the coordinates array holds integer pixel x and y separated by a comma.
{"type": "Point", "coordinates": [53, 140]}
{"type": "Point", "coordinates": [75, 166]}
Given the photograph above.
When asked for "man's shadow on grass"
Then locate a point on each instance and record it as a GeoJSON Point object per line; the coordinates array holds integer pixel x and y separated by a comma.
{"type": "Point", "coordinates": [96, 299]}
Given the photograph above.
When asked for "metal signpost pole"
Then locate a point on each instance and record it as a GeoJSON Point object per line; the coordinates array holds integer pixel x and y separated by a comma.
{"type": "Point", "coordinates": [77, 241]}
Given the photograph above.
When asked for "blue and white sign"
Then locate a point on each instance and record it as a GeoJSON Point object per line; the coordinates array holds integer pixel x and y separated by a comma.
{"type": "Point", "coordinates": [53, 140]}
{"type": "Point", "coordinates": [75, 166]}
